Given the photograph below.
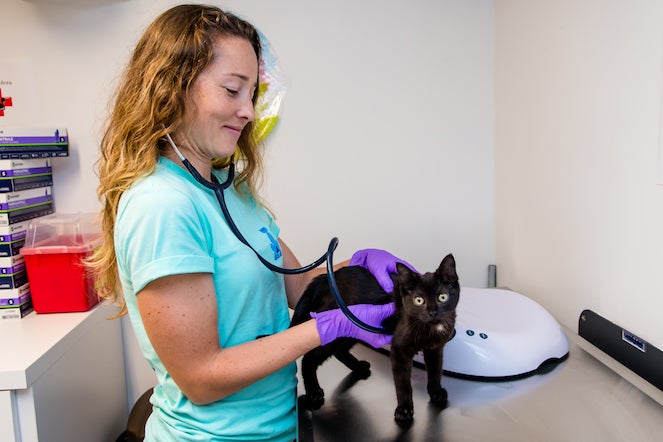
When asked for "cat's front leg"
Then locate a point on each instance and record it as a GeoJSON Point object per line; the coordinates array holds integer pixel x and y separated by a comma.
{"type": "Point", "coordinates": [433, 360]}
{"type": "Point", "coordinates": [401, 368]}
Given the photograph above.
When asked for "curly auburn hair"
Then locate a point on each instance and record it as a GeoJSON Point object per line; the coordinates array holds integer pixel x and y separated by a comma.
{"type": "Point", "coordinates": [149, 103]}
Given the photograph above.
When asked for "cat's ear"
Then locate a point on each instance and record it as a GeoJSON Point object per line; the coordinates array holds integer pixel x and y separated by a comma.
{"type": "Point", "coordinates": [447, 269]}
{"type": "Point", "coordinates": [406, 277]}
{"type": "Point", "coordinates": [403, 270]}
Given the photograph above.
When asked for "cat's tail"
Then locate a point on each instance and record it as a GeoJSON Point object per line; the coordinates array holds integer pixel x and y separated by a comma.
{"type": "Point", "coordinates": [311, 300]}
{"type": "Point", "coordinates": [301, 313]}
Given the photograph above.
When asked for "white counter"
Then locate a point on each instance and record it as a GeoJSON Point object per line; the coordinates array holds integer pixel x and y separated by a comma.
{"type": "Point", "coordinates": [62, 377]}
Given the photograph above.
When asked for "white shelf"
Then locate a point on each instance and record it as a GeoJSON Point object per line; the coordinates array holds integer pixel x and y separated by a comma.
{"type": "Point", "coordinates": [62, 358]}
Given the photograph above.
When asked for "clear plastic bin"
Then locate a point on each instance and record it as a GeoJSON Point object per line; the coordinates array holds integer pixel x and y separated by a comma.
{"type": "Point", "coordinates": [54, 250]}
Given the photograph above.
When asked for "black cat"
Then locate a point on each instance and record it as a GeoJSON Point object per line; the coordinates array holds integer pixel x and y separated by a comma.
{"type": "Point", "coordinates": [424, 321]}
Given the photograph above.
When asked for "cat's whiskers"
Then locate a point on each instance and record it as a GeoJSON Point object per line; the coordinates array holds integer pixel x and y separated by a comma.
{"type": "Point", "coordinates": [414, 330]}
{"type": "Point", "coordinates": [420, 331]}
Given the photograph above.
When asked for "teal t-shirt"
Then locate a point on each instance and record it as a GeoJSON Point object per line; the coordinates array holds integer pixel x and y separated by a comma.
{"type": "Point", "coordinates": [167, 224]}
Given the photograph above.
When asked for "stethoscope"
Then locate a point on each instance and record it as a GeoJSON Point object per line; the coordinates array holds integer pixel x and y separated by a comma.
{"type": "Point", "coordinates": [218, 189]}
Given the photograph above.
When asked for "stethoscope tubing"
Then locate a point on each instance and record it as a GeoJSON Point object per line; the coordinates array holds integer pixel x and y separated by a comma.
{"type": "Point", "coordinates": [218, 189]}
{"type": "Point", "coordinates": [333, 287]}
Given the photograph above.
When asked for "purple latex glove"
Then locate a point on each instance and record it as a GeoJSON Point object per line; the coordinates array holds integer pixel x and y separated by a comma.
{"type": "Point", "coordinates": [332, 324]}
{"type": "Point", "coordinates": [380, 263]}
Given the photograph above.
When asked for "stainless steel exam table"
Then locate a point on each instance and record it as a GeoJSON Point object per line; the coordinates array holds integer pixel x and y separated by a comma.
{"type": "Point", "coordinates": [588, 397]}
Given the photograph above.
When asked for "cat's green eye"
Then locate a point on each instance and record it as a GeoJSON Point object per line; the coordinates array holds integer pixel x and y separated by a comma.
{"type": "Point", "coordinates": [418, 300]}
{"type": "Point", "coordinates": [443, 297]}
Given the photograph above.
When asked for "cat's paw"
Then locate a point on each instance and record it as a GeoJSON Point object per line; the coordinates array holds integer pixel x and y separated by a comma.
{"type": "Point", "coordinates": [362, 369]}
{"type": "Point", "coordinates": [439, 397]}
{"type": "Point", "coordinates": [312, 401]}
{"type": "Point", "coordinates": [404, 416]}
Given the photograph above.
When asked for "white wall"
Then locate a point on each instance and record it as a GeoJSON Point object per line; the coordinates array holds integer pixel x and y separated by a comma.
{"type": "Point", "coordinates": [393, 101]}
{"type": "Point", "coordinates": [386, 137]}
{"type": "Point", "coordinates": [579, 217]}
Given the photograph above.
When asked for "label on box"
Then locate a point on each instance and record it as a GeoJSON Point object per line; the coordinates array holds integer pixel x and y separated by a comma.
{"type": "Point", "coordinates": [19, 164]}
{"type": "Point", "coordinates": [7, 152]}
{"type": "Point", "coordinates": [14, 184]}
{"type": "Point", "coordinates": [13, 281]}
{"type": "Point", "coordinates": [25, 194]}
{"type": "Point", "coordinates": [25, 213]}
{"type": "Point", "coordinates": [16, 312]}
{"type": "Point", "coordinates": [13, 237]}
{"type": "Point", "coordinates": [33, 143]}
{"type": "Point", "coordinates": [25, 172]}
{"type": "Point", "coordinates": [11, 248]}
{"type": "Point", "coordinates": [11, 302]}
{"type": "Point", "coordinates": [20, 167]}
{"type": "Point", "coordinates": [11, 264]}
{"type": "Point", "coordinates": [15, 293]}
{"type": "Point", "coordinates": [23, 198]}
{"type": "Point", "coordinates": [38, 136]}
{"type": "Point", "coordinates": [33, 152]}
{"type": "Point", "coordinates": [13, 232]}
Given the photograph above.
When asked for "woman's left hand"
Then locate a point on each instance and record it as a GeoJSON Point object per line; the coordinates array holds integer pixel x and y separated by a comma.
{"type": "Point", "coordinates": [333, 324]}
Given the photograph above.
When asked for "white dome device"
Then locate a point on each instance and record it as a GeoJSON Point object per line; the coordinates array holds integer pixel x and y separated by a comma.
{"type": "Point", "coordinates": [500, 335]}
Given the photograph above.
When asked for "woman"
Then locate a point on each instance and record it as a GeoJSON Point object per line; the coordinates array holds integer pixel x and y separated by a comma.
{"type": "Point", "coordinates": [211, 320]}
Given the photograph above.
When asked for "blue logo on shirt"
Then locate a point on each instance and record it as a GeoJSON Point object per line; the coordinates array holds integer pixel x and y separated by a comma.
{"type": "Point", "coordinates": [274, 243]}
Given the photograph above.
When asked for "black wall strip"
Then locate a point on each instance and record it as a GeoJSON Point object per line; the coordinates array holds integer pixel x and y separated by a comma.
{"type": "Point", "coordinates": [636, 354]}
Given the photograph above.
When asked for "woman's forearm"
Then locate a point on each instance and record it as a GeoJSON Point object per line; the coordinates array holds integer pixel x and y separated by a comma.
{"type": "Point", "coordinates": [234, 368]}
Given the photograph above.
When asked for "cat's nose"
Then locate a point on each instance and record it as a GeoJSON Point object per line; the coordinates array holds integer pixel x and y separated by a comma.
{"type": "Point", "coordinates": [432, 312]}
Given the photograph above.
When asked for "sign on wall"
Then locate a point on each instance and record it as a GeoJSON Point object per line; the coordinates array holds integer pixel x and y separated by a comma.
{"type": "Point", "coordinates": [17, 96]}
